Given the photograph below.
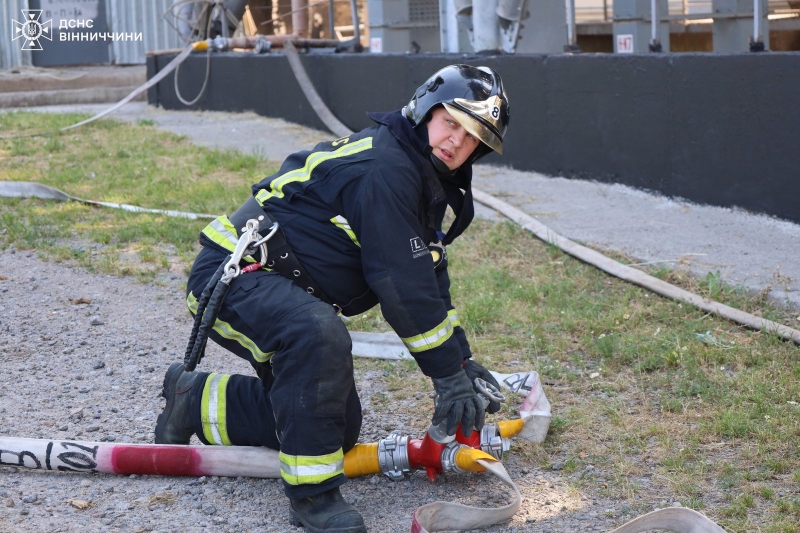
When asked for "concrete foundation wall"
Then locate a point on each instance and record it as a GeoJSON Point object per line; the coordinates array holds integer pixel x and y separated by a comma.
{"type": "Point", "coordinates": [712, 128]}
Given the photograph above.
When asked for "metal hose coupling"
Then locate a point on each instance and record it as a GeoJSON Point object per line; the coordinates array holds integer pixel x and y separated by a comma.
{"type": "Point", "coordinates": [492, 441]}
{"type": "Point", "coordinates": [457, 457]}
{"type": "Point", "coordinates": [449, 456]}
{"type": "Point", "coordinates": [393, 456]}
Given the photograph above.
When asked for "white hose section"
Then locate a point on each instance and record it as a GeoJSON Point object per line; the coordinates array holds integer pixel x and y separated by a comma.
{"type": "Point", "coordinates": [632, 275]}
{"type": "Point", "coordinates": [448, 516]}
{"type": "Point", "coordinates": [30, 189]}
{"type": "Point", "coordinates": [678, 519]}
{"type": "Point", "coordinates": [322, 111]}
{"type": "Point", "coordinates": [169, 67]}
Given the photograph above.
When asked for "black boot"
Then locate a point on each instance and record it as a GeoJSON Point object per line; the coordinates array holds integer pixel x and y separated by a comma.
{"type": "Point", "coordinates": [174, 425]}
{"type": "Point", "coordinates": [326, 513]}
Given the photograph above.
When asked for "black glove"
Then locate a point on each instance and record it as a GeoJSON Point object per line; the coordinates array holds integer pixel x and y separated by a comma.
{"type": "Point", "coordinates": [457, 402]}
{"type": "Point", "coordinates": [475, 370]}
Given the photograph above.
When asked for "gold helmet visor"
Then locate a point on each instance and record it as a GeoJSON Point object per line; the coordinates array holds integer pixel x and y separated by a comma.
{"type": "Point", "coordinates": [489, 110]}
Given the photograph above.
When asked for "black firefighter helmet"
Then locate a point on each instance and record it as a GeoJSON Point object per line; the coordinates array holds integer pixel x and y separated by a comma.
{"type": "Point", "coordinates": [474, 96]}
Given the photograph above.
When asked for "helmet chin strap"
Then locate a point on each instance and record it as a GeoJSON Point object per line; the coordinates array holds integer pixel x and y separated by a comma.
{"type": "Point", "coordinates": [441, 167]}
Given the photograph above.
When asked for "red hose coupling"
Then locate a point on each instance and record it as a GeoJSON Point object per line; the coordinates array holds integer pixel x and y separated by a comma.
{"type": "Point", "coordinates": [473, 441]}
{"type": "Point", "coordinates": [426, 453]}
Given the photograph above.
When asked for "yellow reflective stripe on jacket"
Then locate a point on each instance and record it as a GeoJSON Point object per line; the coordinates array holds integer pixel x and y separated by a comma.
{"type": "Point", "coordinates": [225, 330]}
{"type": "Point", "coordinates": [430, 339]}
{"type": "Point", "coordinates": [212, 410]}
{"type": "Point", "coordinates": [343, 224]}
{"type": "Point", "coordinates": [453, 316]}
{"type": "Point", "coordinates": [311, 469]}
{"type": "Point", "coordinates": [312, 161]}
{"type": "Point", "coordinates": [222, 232]}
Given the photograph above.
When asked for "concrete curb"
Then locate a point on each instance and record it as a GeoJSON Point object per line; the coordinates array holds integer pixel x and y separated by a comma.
{"type": "Point", "coordinates": [95, 95]}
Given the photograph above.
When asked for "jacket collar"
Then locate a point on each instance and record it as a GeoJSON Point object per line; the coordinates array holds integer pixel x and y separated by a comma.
{"type": "Point", "coordinates": [455, 187]}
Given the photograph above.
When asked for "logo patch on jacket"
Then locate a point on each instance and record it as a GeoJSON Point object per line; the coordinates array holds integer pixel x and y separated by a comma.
{"type": "Point", "coordinates": [418, 248]}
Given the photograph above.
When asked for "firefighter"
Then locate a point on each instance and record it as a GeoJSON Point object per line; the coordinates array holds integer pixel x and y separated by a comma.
{"type": "Point", "coordinates": [360, 223]}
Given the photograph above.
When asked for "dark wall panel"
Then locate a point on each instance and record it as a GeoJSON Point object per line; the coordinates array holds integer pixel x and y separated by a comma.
{"type": "Point", "coordinates": [713, 128]}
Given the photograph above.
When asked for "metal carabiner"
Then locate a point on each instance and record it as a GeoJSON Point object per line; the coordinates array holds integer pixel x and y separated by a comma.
{"type": "Point", "coordinates": [261, 244]}
{"type": "Point", "coordinates": [249, 236]}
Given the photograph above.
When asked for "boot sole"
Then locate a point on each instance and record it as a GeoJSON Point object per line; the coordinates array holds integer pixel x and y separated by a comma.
{"type": "Point", "coordinates": [171, 378]}
{"type": "Point", "coordinates": [296, 521]}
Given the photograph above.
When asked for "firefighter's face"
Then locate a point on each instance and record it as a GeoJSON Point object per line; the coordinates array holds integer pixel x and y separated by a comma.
{"type": "Point", "coordinates": [450, 141]}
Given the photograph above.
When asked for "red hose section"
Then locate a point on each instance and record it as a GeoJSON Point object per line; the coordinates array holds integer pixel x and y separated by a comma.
{"type": "Point", "coordinates": [156, 460]}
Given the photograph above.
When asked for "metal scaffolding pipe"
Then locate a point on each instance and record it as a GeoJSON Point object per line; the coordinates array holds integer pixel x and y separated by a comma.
{"type": "Point", "coordinates": [757, 20]}
{"type": "Point", "coordinates": [655, 20]}
{"type": "Point", "coordinates": [356, 29]}
{"type": "Point", "coordinates": [331, 17]}
{"type": "Point", "coordinates": [300, 18]}
{"type": "Point", "coordinates": [571, 23]}
{"type": "Point", "coordinates": [485, 26]}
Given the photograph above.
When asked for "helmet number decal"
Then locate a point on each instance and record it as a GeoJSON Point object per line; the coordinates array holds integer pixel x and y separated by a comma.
{"type": "Point", "coordinates": [495, 112]}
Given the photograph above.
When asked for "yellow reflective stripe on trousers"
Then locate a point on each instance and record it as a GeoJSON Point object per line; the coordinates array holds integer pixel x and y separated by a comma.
{"type": "Point", "coordinates": [343, 224]}
{"type": "Point", "coordinates": [453, 316]}
{"type": "Point", "coordinates": [212, 412]}
{"type": "Point", "coordinates": [222, 232]}
{"type": "Point", "coordinates": [430, 339]}
{"type": "Point", "coordinates": [311, 469]}
{"type": "Point", "coordinates": [312, 161]}
{"type": "Point", "coordinates": [225, 330]}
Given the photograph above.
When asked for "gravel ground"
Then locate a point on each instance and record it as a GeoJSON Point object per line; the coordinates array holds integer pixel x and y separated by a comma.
{"type": "Point", "coordinates": [82, 356]}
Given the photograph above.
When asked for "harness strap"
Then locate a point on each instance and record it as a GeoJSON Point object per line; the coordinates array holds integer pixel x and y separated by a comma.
{"type": "Point", "coordinates": [280, 256]}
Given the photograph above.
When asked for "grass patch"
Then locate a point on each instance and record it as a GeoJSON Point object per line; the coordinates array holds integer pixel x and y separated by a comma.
{"type": "Point", "coordinates": [638, 392]}
{"type": "Point", "coordinates": [110, 161]}
{"type": "Point", "coordinates": [664, 402]}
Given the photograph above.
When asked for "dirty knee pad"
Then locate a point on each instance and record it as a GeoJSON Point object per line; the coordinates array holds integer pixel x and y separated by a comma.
{"type": "Point", "coordinates": [335, 362]}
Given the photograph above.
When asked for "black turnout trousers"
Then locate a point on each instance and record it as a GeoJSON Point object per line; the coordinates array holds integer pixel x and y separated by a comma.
{"type": "Point", "coordinates": [304, 401]}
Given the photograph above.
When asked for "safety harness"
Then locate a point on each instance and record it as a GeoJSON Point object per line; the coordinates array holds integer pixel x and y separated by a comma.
{"type": "Point", "coordinates": [254, 227]}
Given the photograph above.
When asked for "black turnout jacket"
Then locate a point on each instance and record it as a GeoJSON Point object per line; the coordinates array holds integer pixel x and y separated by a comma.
{"type": "Point", "coordinates": [361, 213]}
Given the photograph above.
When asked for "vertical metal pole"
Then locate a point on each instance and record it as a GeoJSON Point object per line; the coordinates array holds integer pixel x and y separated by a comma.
{"type": "Point", "coordinates": [757, 40]}
{"type": "Point", "coordinates": [571, 23]}
{"type": "Point", "coordinates": [223, 17]}
{"type": "Point", "coordinates": [757, 20]}
{"type": "Point", "coordinates": [485, 26]}
{"type": "Point", "coordinates": [331, 16]}
{"type": "Point", "coordinates": [572, 39]}
{"type": "Point", "coordinates": [655, 43]}
{"type": "Point", "coordinates": [300, 18]}
{"type": "Point", "coordinates": [356, 29]}
{"type": "Point", "coordinates": [653, 21]}
{"type": "Point", "coordinates": [605, 10]}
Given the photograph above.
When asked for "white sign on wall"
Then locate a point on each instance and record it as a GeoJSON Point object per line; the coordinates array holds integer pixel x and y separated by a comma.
{"type": "Point", "coordinates": [625, 43]}
{"type": "Point", "coordinates": [376, 45]}
{"type": "Point", "coordinates": [71, 9]}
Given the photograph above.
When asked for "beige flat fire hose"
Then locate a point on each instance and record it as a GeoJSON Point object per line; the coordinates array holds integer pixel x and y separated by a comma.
{"type": "Point", "coordinates": [231, 461]}
{"type": "Point", "coordinates": [632, 275]}
{"type": "Point", "coordinates": [448, 516]}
